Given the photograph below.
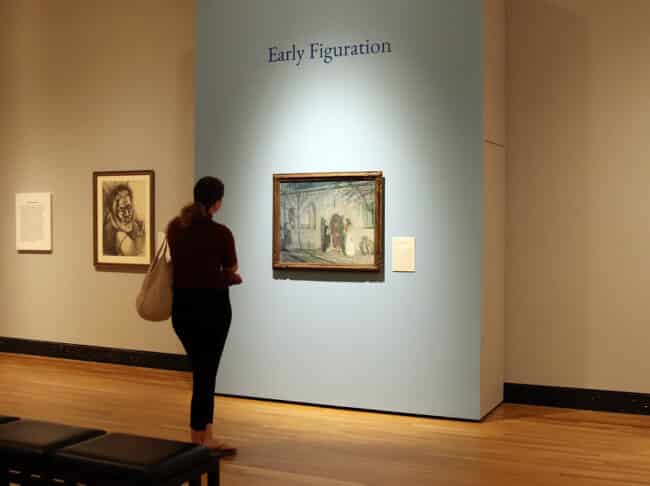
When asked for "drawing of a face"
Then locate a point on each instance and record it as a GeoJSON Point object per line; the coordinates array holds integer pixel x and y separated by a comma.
{"type": "Point", "coordinates": [122, 209]}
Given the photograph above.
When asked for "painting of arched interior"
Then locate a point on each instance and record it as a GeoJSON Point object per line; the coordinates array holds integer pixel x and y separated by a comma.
{"type": "Point", "coordinates": [327, 220]}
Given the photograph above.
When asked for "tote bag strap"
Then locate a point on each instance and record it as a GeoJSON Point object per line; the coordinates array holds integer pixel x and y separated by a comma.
{"type": "Point", "coordinates": [160, 253]}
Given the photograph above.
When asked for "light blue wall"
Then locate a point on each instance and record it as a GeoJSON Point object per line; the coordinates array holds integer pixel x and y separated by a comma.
{"type": "Point", "coordinates": [401, 342]}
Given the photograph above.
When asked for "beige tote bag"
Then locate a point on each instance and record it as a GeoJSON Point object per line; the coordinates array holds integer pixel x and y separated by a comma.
{"type": "Point", "coordinates": [154, 302]}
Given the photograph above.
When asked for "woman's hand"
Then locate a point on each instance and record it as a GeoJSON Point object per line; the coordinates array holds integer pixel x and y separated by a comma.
{"type": "Point", "coordinates": [236, 279]}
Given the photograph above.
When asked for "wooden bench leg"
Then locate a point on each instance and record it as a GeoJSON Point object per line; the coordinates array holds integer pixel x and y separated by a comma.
{"type": "Point", "coordinates": [213, 476]}
{"type": "Point", "coordinates": [12, 476]}
{"type": "Point", "coordinates": [37, 479]}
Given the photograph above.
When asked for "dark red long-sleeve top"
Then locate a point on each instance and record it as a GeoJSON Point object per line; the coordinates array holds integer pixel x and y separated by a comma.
{"type": "Point", "coordinates": [203, 253]}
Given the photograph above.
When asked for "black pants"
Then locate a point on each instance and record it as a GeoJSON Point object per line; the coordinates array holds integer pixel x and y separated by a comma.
{"type": "Point", "coordinates": [201, 319]}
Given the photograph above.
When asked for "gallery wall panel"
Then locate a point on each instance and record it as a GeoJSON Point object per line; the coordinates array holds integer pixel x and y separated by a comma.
{"type": "Point", "coordinates": [578, 262]}
{"type": "Point", "coordinates": [89, 87]}
{"type": "Point", "coordinates": [406, 342]}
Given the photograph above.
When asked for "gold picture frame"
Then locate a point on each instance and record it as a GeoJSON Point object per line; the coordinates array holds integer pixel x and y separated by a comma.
{"type": "Point", "coordinates": [328, 221]}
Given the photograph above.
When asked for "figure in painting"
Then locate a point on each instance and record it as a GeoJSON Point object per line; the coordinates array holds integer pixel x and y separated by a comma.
{"type": "Point", "coordinates": [124, 233]}
{"type": "Point", "coordinates": [324, 235]}
{"type": "Point", "coordinates": [286, 236]}
{"type": "Point", "coordinates": [336, 228]}
{"type": "Point", "coordinates": [365, 246]}
{"type": "Point", "coordinates": [348, 246]}
{"type": "Point", "coordinates": [292, 217]}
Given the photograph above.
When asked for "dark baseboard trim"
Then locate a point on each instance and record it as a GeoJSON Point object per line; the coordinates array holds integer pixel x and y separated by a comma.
{"type": "Point", "coordinates": [145, 359]}
{"type": "Point", "coordinates": [546, 396]}
{"type": "Point", "coordinates": [351, 409]}
{"type": "Point", "coordinates": [578, 398]}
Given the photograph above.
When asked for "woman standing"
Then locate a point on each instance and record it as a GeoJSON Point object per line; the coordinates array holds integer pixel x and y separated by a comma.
{"type": "Point", "coordinates": [204, 264]}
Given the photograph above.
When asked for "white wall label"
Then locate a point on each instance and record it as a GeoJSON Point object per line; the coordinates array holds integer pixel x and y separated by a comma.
{"type": "Point", "coordinates": [403, 254]}
{"type": "Point", "coordinates": [34, 221]}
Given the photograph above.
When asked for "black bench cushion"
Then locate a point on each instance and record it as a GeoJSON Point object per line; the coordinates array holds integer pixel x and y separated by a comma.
{"type": "Point", "coordinates": [4, 420]}
{"type": "Point", "coordinates": [28, 438]}
{"type": "Point", "coordinates": [130, 456]}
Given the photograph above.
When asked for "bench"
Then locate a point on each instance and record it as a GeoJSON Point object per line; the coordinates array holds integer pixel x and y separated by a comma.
{"type": "Point", "coordinates": [26, 445]}
{"type": "Point", "coordinates": [36, 452]}
{"type": "Point", "coordinates": [123, 459]}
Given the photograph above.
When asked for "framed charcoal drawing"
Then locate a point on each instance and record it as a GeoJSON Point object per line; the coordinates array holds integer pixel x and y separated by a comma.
{"type": "Point", "coordinates": [328, 221]}
{"type": "Point", "coordinates": [123, 220]}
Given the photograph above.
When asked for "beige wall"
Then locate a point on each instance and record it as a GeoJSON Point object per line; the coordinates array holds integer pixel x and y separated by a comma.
{"type": "Point", "coordinates": [578, 232]}
{"type": "Point", "coordinates": [494, 203]}
{"type": "Point", "coordinates": [89, 86]}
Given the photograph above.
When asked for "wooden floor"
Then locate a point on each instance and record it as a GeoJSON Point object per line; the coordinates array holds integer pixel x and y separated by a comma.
{"type": "Point", "coordinates": [290, 445]}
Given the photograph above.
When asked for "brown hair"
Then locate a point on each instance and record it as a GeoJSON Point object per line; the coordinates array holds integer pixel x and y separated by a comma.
{"type": "Point", "coordinates": [191, 213]}
{"type": "Point", "coordinates": [207, 191]}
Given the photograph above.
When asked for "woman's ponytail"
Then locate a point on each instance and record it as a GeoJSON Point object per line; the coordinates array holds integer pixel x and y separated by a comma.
{"type": "Point", "coordinates": [192, 212]}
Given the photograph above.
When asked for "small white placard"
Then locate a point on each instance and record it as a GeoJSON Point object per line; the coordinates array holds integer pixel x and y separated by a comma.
{"type": "Point", "coordinates": [403, 254]}
{"type": "Point", "coordinates": [34, 221]}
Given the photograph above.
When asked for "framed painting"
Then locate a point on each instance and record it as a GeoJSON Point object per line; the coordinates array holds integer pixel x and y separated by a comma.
{"type": "Point", "coordinates": [328, 221]}
{"type": "Point", "coordinates": [123, 220]}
